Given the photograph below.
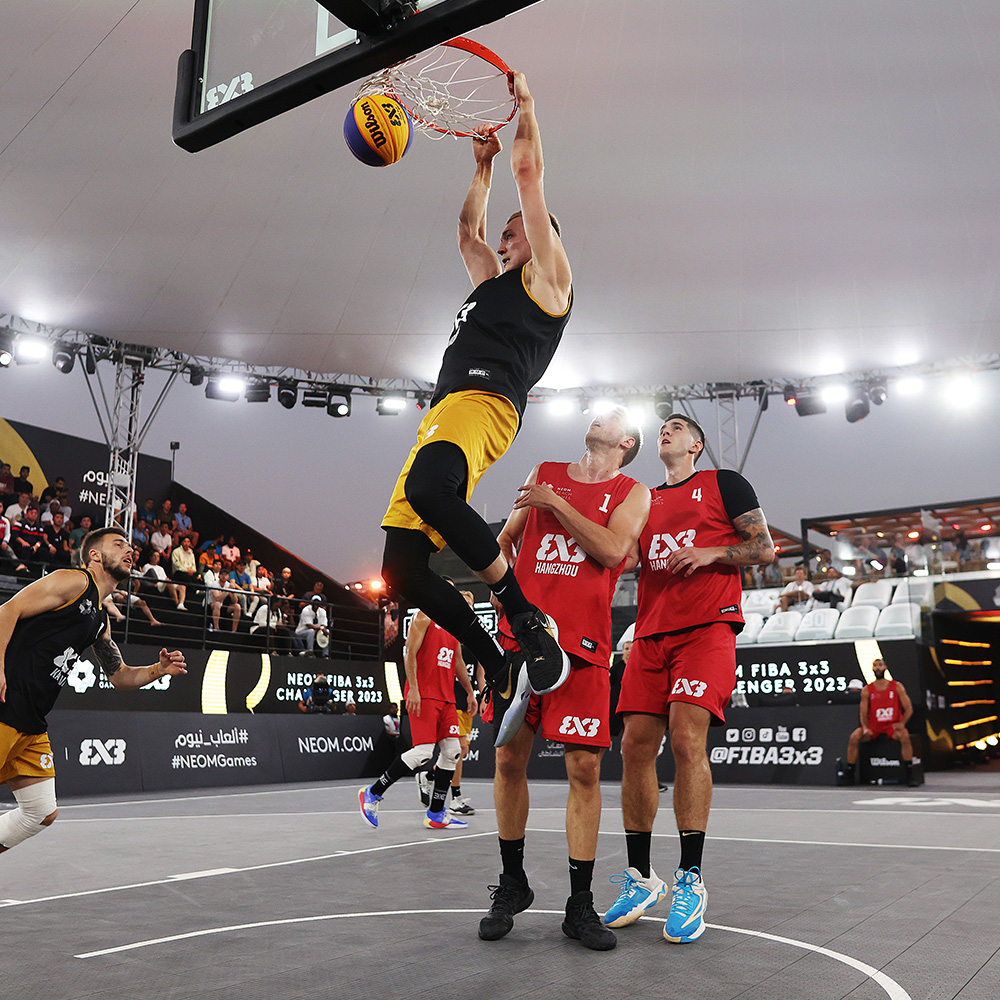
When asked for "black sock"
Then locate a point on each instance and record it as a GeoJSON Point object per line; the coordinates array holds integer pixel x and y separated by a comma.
{"type": "Point", "coordinates": [396, 770]}
{"type": "Point", "coordinates": [442, 779]}
{"type": "Point", "coordinates": [509, 594]}
{"type": "Point", "coordinates": [637, 844]}
{"type": "Point", "coordinates": [692, 845]}
{"type": "Point", "coordinates": [581, 874]}
{"type": "Point", "coordinates": [456, 791]}
{"type": "Point", "coordinates": [512, 858]}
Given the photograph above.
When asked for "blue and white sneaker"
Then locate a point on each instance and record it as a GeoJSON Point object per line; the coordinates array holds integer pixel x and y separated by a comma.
{"type": "Point", "coordinates": [637, 895]}
{"type": "Point", "coordinates": [686, 921]}
{"type": "Point", "coordinates": [440, 820]}
{"type": "Point", "coordinates": [369, 801]}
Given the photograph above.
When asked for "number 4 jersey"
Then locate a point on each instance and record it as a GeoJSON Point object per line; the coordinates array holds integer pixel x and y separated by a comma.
{"type": "Point", "coordinates": [698, 513]}
{"type": "Point", "coordinates": [558, 576]}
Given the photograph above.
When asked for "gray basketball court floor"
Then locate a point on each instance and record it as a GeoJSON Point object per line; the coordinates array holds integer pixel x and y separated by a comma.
{"type": "Point", "coordinates": [283, 892]}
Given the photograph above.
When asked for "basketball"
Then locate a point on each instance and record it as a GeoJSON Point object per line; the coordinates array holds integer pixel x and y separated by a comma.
{"type": "Point", "coordinates": [378, 130]}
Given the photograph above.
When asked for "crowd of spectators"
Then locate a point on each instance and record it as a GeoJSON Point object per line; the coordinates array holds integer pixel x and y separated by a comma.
{"type": "Point", "coordinates": [216, 577]}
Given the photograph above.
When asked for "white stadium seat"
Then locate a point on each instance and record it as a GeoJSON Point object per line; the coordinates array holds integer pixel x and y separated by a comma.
{"type": "Point", "coordinates": [754, 622]}
{"type": "Point", "coordinates": [818, 624]}
{"type": "Point", "coordinates": [857, 622]}
{"type": "Point", "coordinates": [898, 619]}
{"type": "Point", "coordinates": [912, 592]}
{"type": "Point", "coordinates": [878, 594]}
{"type": "Point", "coordinates": [780, 627]}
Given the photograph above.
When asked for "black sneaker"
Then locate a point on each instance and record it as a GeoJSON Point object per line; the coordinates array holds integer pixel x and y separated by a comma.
{"type": "Point", "coordinates": [509, 897]}
{"type": "Point", "coordinates": [538, 637]}
{"type": "Point", "coordinates": [511, 692]}
{"type": "Point", "coordinates": [583, 923]}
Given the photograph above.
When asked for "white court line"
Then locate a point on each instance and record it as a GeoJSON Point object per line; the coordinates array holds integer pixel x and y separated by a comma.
{"type": "Point", "coordinates": [448, 838]}
{"type": "Point", "coordinates": [891, 987]}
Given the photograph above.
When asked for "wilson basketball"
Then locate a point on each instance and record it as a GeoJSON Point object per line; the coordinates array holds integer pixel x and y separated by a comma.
{"type": "Point", "coordinates": [378, 130]}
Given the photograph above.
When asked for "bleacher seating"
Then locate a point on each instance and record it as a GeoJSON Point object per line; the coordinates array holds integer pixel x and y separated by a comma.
{"type": "Point", "coordinates": [754, 622]}
{"type": "Point", "coordinates": [857, 622]}
{"type": "Point", "coordinates": [760, 601]}
{"type": "Point", "coordinates": [780, 627]}
{"type": "Point", "coordinates": [878, 594]}
{"type": "Point", "coordinates": [898, 620]}
{"type": "Point", "coordinates": [818, 624]}
{"type": "Point", "coordinates": [912, 591]}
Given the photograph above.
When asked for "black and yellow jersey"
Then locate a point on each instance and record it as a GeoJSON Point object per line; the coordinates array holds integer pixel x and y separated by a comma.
{"type": "Point", "coordinates": [43, 652]}
{"type": "Point", "coordinates": [502, 341]}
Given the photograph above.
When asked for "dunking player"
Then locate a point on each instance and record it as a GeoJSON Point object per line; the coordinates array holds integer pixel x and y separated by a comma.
{"type": "Point", "coordinates": [885, 710]}
{"type": "Point", "coordinates": [573, 525]}
{"type": "Point", "coordinates": [43, 631]}
{"type": "Point", "coordinates": [503, 340]}
{"type": "Point", "coordinates": [433, 661]}
{"type": "Point", "coordinates": [681, 672]}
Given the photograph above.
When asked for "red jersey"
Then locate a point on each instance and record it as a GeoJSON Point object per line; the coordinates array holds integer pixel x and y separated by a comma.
{"type": "Point", "coordinates": [694, 513]}
{"type": "Point", "coordinates": [883, 706]}
{"type": "Point", "coordinates": [436, 665]}
{"type": "Point", "coordinates": [558, 576]}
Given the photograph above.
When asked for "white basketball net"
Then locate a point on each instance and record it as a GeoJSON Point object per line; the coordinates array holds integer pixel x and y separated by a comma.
{"type": "Point", "coordinates": [447, 91]}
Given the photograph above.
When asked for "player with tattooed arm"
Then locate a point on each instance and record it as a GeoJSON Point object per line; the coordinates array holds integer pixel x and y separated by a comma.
{"type": "Point", "coordinates": [44, 630]}
{"type": "Point", "coordinates": [702, 527]}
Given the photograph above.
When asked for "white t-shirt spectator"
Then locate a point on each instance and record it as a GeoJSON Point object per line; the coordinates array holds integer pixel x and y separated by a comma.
{"type": "Point", "coordinates": [230, 554]}
{"type": "Point", "coordinates": [159, 572]}
{"type": "Point", "coordinates": [312, 614]}
{"type": "Point", "coordinates": [161, 541]}
{"type": "Point", "coordinates": [13, 512]}
{"type": "Point", "coordinates": [4, 530]}
{"type": "Point", "coordinates": [841, 586]}
{"type": "Point", "coordinates": [260, 620]}
{"type": "Point", "coordinates": [391, 723]}
{"type": "Point", "coordinates": [263, 583]}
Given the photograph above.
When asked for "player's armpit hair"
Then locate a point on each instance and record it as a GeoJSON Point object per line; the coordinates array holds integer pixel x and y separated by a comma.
{"type": "Point", "coordinates": [108, 655]}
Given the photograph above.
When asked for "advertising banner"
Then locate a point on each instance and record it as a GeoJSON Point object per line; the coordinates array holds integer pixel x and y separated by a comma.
{"type": "Point", "coordinates": [96, 752]}
{"type": "Point", "coordinates": [327, 748]}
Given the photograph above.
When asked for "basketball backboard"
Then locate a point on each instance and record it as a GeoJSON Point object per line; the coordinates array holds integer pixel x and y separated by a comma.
{"type": "Point", "coordinates": [251, 60]}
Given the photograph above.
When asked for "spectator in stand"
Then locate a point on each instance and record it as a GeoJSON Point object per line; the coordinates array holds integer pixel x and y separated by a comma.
{"type": "Point", "coordinates": [797, 594]}
{"type": "Point", "coordinates": [64, 504]}
{"type": "Point", "coordinates": [391, 721]}
{"type": "Point", "coordinates": [184, 567]}
{"type": "Point", "coordinates": [261, 579]}
{"type": "Point", "coordinates": [208, 555]}
{"type": "Point", "coordinates": [29, 541]}
{"type": "Point", "coordinates": [58, 538]}
{"type": "Point", "coordinates": [242, 583]}
{"type": "Point", "coordinates": [897, 556]}
{"type": "Point", "coordinates": [166, 515]}
{"type": "Point", "coordinates": [183, 526]}
{"type": "Point", "coordinates": [218, 591]}
{"type": "Point", "coordinates": [317, 591]}
{"type": "Point", "coordinates": [134, 600]}
{"type": "Point", "coordinates": [312, 620]}
{"type": "Point", "coordinates": [48, 495]}
{"type": "Point", "coordinates": [834, 592]}
{"type": "Point", "coordinates": [270, 620]}
{"type": "Point", "coordinates": [140, 532]}
{"type": "Point", "coordinates": [161, 540]}
{"type": "Point", "coordinates": [48, 509]}
{"type": "Point", "coordinates": [22, 484]}
{"type": "Point", "coordinates": [177, 591]}
{"type": "Point", "coordinates": [283, 586]}
{"type": "Point", "coordinates": [15, 511]}
{"type": "Point", "coordinates": [230, 553]}
{"type": "Point", "coordinates": [77, 535]}
{"type": "Point", "coordinates": [870, 557]}
{"type": "Point", "coordinates": [7, 492]}
{"type": "Point", "coordinates": [6, 552]}
{"type": "Point", "coordinates": [147, 513]}
{"type": "Point", "coordinates": [251, 562]}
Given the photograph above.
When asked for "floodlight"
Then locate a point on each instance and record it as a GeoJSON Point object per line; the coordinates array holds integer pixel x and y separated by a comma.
{"type": "Point", "coordinates": [30, 350]}
{"type": "Point", "coordinates": [791, 395]}
{"type": "Point", "coordinates": [877, 393]}
{"type": "Point", "coordinates": [197, 374]}
{"type": "Point", "coordinates": [663, 405]}
{"type": "Point", "coordinates": [390, 405]}
{"type": "Point", "coordinates": [227, 387]}
{"type": "Point", "coordinates": [339, 404]}
{"type": "Point", "coordinates": [288, 393]}
{"type": "Point", "coordinates": [316, 395]}
{"type": "Point", "coordinates": [856, 406]}
{"type": "Point", "coordinates": [258, 391]}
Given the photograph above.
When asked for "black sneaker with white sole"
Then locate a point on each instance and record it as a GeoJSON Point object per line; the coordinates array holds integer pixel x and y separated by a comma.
{"type": "Point", "coordinates": [537, 635]}
{"type": "Point", "coordinates": [509, 897]}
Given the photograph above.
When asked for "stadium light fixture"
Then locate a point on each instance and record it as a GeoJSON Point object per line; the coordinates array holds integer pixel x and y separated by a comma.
{"type": "Point", "coordinates": [258, 391]}
{"type": "Point", "coordinates": [316, 395]}
{"type": "Point", "coordinates": [857, 405]}
{"type": "Point", "coordinates": [197, 374]}
{"type": "Point", "coordinates": [390, 405]}
{"type": "Point", "coordinates": [30, 350]}
{"type": "Point", "coordinates": [791, 395]}
{"type": "Point", "coordinates": [663, 405]}
{"type": "Point", "coordinates": [288, 393]}
{"type": "Point", "coordinates": [339, 404]}
{"type": "Point", "coordinates": [227, 387]}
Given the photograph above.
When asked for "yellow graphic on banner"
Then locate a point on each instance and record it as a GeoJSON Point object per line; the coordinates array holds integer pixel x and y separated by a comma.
{"type": "Point", "coordinates": [213, 685]}
{"type": "Point", "coordinates": [260, 688]}
{"type": "Point", "coordinates": [15, 451]}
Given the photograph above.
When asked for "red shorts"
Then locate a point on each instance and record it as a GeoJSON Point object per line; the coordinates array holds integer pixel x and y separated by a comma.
{"type": "Point", "coordinates": [697, 667]}
{"type": "Point", "coordinates": [882, 729]}
{"type": "Point", "coordinates": [578, 711]}
{"type": "Point", "coordinates": [437, 721]}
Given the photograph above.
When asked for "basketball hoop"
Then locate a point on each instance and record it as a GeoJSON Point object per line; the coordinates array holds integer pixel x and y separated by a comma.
{"type": "Point", "coordinates": [449, 89]}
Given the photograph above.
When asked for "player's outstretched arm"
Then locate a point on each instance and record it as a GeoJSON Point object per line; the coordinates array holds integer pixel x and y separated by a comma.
{"type": "Point", "coordinates": [547, 274]}
{"type": "Point", "coordinates": [125, 678]}
{"type": "Point", "coordinates": [479, 259]}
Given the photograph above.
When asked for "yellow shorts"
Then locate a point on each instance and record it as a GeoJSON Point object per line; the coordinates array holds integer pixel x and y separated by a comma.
{"type": "Point", "coordinates": [464, 723]}
{"type": "Point", "coordinates": [24, 755]}
{"type": "Point", "coordinates": [482, 424]}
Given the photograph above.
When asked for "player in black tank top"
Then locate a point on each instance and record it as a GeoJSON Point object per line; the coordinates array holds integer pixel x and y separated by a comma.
{"type": "Point", "coordinates": [504, 337]}
{"type": "Point", "coordinates": [44, 630]}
